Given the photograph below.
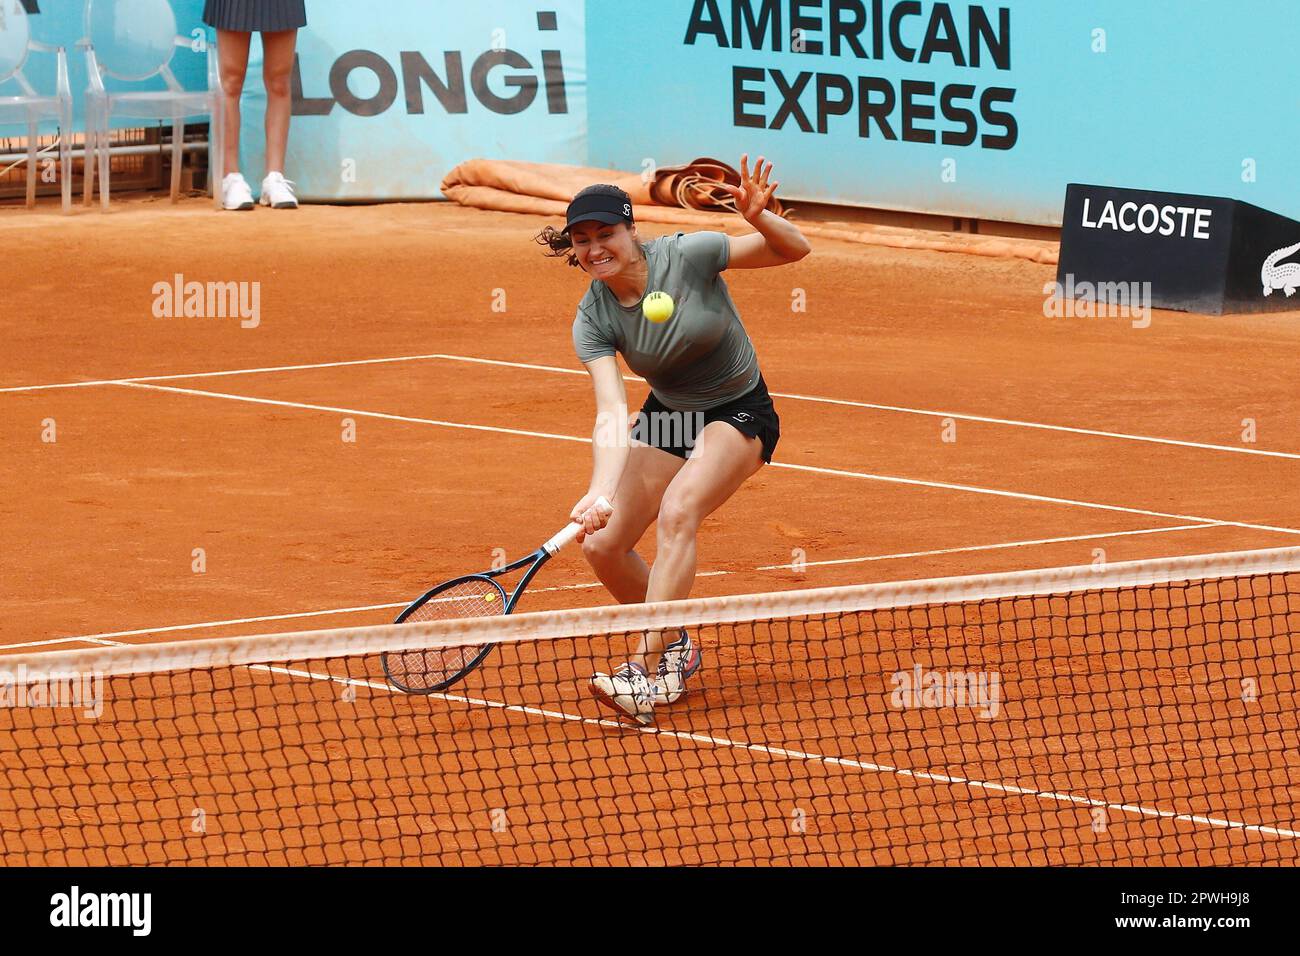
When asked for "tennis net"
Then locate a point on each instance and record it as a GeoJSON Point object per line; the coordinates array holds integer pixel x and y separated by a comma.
{"type": "Point", "coordinates": [1144, 713]}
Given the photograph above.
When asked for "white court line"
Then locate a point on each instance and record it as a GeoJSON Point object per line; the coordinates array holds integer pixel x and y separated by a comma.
{"type": "Point", "coordinates": [352, 411]}
{"type": "Point", "coordinates": [891, 479]}
{"type": "Point", "coordinates": [902, 409]}
{"type": "Point", "coordinates": [1013, 423]}
{"type": "Point", "coordinates": [808, 756]}
{"type": "Point", "coordinates": [986, 547]}
{"type": "Point", "coordinates": [218, 374]}
{"type": "Point", "coordinates": [58, 640]}
{"type": "Point", "coordinates": [1026, 496]}
{"type": "Point", "coordinates": [718, 741]}
{"type": "Point", "coordinates": [1010, 422]}
{"type": "Point", "coordinates": [106, 638]}
{"type": "Point", "coordinates": [800, 755]}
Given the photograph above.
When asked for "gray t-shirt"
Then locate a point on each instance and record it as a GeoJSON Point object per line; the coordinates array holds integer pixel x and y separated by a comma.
{"type": "Point", "coordinates": [701, 357]}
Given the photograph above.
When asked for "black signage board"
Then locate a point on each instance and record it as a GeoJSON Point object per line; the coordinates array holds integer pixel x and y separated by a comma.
{"type": "Point", "coordinates": [1198, 253]}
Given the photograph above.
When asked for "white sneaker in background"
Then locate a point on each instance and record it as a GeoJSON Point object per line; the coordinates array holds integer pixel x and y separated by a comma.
{"type": "Point", "coordinates": [277, 192]}
{"type": "Point", "coordinates": [235, 193]}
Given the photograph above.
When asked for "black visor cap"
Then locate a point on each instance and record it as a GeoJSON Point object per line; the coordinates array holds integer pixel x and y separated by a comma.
{"type": "Point", "coordinates": [610, 210]}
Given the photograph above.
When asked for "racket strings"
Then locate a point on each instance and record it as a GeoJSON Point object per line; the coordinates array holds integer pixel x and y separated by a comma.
{"type": "Point", "coordinates": [426, 668]}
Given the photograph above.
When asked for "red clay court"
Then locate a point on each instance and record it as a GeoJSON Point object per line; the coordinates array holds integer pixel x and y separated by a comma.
{"type": "Point", "coordinates": [935, 424]}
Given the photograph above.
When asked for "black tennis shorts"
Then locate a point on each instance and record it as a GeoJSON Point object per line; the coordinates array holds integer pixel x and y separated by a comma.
{"type": "Point", "coordinates": [675, 432]}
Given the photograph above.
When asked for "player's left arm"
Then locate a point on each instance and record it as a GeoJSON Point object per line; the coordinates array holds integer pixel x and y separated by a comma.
{"type": "Point", "coordinates": [777, 240]}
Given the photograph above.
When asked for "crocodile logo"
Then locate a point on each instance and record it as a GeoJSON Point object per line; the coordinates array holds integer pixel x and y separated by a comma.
{"type": "Point", "coordinates": [1285, 277]}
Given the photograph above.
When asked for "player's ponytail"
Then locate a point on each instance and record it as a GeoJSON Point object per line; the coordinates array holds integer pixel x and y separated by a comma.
{"type": "Point", "coordinates": [557, 244]}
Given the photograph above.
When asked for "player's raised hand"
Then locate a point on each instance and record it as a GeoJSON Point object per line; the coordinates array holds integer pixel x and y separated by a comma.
{"type": "Point", "coordinates": [754, 191]}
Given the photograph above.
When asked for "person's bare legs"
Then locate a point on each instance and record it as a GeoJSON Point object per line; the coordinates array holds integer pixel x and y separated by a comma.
{"type": "Point", "coordinates": [723, 459]}
{"type": "Point", "coordinates": [277, 70]}
{"type": "Point", "coordinates": [232, 63]}
{"type": "Point", "coordinates": [611, 551]}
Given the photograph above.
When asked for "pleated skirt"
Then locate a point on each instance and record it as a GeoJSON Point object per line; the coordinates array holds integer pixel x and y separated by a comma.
{"type": "Point", "coordinates": [255, 16]}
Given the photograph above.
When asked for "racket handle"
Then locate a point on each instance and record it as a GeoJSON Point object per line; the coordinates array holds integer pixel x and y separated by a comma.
{"type": "Point", "coordinates": [563, 538]}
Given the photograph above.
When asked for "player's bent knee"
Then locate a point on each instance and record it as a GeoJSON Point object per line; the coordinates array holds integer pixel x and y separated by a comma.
{"type": "Point", "coordinates": [677, 518]}
{"type": "Point", "coordinates": [600, 548]}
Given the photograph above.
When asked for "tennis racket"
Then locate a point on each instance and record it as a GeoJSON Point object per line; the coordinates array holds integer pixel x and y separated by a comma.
{"type": "Point", "coordinates": [472, 595]}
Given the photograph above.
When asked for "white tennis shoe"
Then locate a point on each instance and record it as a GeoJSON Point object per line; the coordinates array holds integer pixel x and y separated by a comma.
{"type": "Point", "coordinates": [628, 691]}
{"type": "Point", "coordinates": [277, 192]}
{"type": "Point", "coordinates": [235, 193]}
{"type": "Point", "coordinates": [679, 661]}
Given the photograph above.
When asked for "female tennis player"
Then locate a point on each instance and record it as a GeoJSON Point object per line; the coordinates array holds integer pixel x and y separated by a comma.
{"type": "Point", "coordinates": [707, 425]}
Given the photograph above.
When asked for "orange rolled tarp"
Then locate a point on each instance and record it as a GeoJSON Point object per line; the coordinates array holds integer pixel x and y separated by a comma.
{"type": "Point", "coordinates": [545, 189]}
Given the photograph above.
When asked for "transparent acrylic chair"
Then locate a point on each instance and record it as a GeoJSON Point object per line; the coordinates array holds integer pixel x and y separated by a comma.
{"type": "Point", "coordinates": [29, 106]}
{"type": "Point", "coordinates": [135, 41]}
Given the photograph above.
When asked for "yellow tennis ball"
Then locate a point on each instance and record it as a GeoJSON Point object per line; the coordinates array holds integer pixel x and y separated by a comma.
{"type": "Point", "coordinates": [658, 307]}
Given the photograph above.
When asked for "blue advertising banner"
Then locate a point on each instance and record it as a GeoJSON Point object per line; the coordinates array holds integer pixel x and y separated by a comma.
{"type": "Point", "coordinates": [965, 108]}
{"type": "Point", "coordinates": [62, 23]}
{"type": "Point", "coordinates": [979, 108]}
{"type": "Point", "coordinates": [385, 105]}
